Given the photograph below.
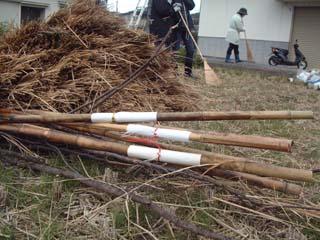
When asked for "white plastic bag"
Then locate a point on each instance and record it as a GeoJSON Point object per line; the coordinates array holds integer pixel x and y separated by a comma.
{"type": "Point", "coordinates": [303, 76]}
{"type": "Point", "coordinates": [316, 86]}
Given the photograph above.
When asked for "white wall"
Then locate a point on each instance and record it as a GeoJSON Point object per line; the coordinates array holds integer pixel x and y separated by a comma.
{"type": "Point", "coordinates": [268, 20]}
{"type": "Point", "coordinates": [52, 8]}
{"type": "Point", "coordinates": [10, 11]}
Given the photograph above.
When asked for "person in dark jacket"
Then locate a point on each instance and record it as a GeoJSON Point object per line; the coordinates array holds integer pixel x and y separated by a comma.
{"type": "Point", "coordinates": [181, 34]}
{"type": "Point", "coordinates": [161, 18]}
{"type": "Point", "coordinates": [163, 15]}
{"type": "Point", "coordinates": [102, 3]}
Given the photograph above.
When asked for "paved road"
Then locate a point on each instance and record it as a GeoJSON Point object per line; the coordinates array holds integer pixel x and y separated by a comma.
{"type": "Point", "coordinates": [278, 70]}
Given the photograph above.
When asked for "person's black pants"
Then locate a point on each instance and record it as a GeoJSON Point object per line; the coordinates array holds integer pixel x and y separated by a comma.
{"type": "Point", "coordinates": [183, 36]}
{"type": "Point", "coordinates": [233, 47]}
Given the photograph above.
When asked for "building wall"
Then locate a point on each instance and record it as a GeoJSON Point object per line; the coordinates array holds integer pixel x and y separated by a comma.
{"type": "Point", "coordinates": [268, 24]}
{"type": "Point", "coordinates": [10, 10]}
{"type": "Point", "coordinates": [52, 8]}
{"type": "Point", "coordinates": [217, 47]}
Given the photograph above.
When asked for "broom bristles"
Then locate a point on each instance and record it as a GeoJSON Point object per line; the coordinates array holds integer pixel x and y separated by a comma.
{"type": "Point", "coordinates": [249, 52]}
{"type": "Point", "coordinates": [210, 75]}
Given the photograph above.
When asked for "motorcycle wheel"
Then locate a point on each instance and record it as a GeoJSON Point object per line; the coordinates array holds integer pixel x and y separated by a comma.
{"type": "Point", "coordinates": [302, 64]}
{"type": "Point", "coordinates": [273, 61]}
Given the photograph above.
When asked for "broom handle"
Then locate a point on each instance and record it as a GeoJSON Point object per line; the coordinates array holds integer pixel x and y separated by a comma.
{"type": "Point", "coordinates": [194, 41]}
{"type": "Point", "coordinates": [245, 36]}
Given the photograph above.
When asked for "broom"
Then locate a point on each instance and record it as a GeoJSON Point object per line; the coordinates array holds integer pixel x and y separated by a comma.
{"type": "Point", "coordinates": [210, 76]}
{"type": "Point", "coordinates": [249, 51]}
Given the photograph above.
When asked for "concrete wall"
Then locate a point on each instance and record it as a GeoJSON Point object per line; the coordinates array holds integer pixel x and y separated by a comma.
{"type": "Point", "coordinates": [10, 10]}
{"type": "Point", "coordinates": [217, 47]}
{"type": "Point", "coordinates": [268, 24]}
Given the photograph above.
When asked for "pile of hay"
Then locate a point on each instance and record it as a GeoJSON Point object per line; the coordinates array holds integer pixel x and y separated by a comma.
{"type": "Point", "coordinates": [80, 52]}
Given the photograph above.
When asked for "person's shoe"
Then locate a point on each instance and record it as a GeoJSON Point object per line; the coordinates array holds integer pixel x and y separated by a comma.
{"type": "Point", "coordinates": [188, 72]}
{"type": "Point", "coordinates": [188, 75]}
{"type": "Point", "coordinates": [238, 59]}
{"type": "Point", "coordinates": [228, 60]}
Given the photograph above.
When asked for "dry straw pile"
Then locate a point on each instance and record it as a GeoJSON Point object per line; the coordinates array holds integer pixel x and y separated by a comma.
{"type": "Point", "coordinates": [79, 53]}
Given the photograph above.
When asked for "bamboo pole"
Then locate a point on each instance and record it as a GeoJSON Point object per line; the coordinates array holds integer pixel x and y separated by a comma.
{"type": "Point", "coordinates": [250, 179]}
{"type": "Point", "coordinates": [263, 182]}
{"type": "Point", "coordinates": [127, 117]}
{"type": "Point", "coordinates": [237, 115]}
{"type": "Point", "coordinates": [173, 134]}
{"type": "Point", "coordinates": [288, 188]}
{"type": "Point", "coordinates": [172, 157]}
{"type": "Point", "coordinates": [276, 144]}
{"type": "Point", "coordinates": [226, 162]}
{"type": "Point", "coordinates": [45, 117]}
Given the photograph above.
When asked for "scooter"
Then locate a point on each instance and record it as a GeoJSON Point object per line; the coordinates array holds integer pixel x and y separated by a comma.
{"type": "Point", "coordinates": [280, 57]}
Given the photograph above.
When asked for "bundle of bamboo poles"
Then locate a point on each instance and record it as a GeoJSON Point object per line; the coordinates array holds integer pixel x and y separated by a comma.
{"type": "Point", "coordinates": [120, 133]}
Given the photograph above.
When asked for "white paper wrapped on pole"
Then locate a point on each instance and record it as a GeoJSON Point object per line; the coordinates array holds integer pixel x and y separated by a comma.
{"type": "Point", "coordinates": [102, 117]}
{"type": "Point", "coordinates": [167, 156]}
{"type": "Point", "coordinates": [169, 134]}
{"type": "Point", "coordinates": [124, 117]}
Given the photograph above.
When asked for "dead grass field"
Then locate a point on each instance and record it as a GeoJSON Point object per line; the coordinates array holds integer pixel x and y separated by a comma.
{"type": "Point", "coordinates": [34, 206]}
